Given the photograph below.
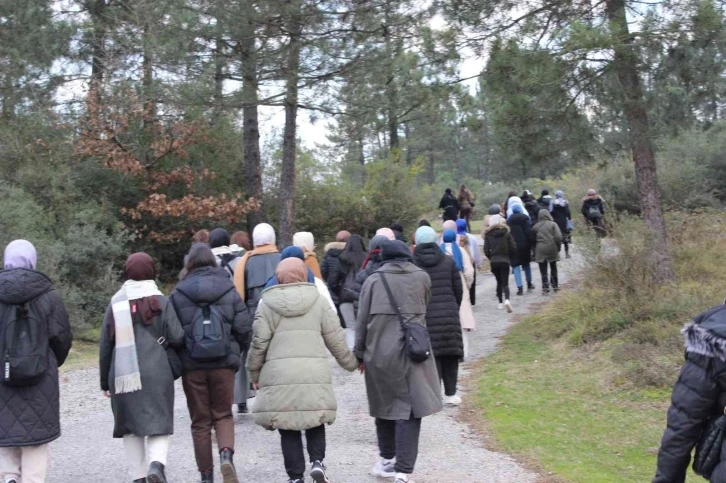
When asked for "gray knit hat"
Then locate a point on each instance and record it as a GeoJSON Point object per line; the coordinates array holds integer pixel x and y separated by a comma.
{"type": "Point", "coordinates": [495, 209]}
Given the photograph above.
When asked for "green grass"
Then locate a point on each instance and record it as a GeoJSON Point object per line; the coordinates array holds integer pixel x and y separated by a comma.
{"type": "Point", "coordinates": [83, 355]}
{"type": "Point", "coordinates": [554, 405]}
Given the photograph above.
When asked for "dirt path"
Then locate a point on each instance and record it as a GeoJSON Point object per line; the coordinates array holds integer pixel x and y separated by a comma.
{"type": "Point", "coordinates": [449, 452]}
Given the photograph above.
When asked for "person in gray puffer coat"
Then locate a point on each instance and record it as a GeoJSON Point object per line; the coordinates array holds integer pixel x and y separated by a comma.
{"type": "Point", "coordinates": [30, 414]}
{"type": "Point", "coordinates": [698, 397]}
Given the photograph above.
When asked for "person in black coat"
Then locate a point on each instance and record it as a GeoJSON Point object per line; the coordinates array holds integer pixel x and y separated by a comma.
{"type": "Point", "coordinates": [593, 209]}
{"type": "Point", "coordinates": [442, 313]}
{"type": "Point", "coordinates": [450, 205]}
{"type": "Point", "coordinates": [369, 267]}
{"type": "Point", "coordinates": [698, 397]}
{"type": "Point", "coordinates": [209, 384]}
{"type": "Point", "coordinates": [30, 414]}
{"type": "Point", "coordinates": [524, 237]}
{"type": "Point", "coordinates": [560, 209]}
{"type": "Point", "coordinates": [330, 266]}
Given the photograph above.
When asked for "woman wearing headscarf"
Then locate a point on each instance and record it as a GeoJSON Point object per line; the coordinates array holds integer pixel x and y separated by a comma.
{"type": "Point", "coordinates": [521, 229]}
{"type": "Point", "coordinates": [34, 395]}
{"type": "Point", "coordinates": [442, 312]}
{"type": "Point", "coordinates": [500, 249]}
{"type": "Point", "coordinates": [136, 371]}
{"type": "Point", "coordinates": [343, 283]}
{"type": "Point", "coordinates": [400, 392]}
{"type": "Point", "coordinates": [306, 241]}
{"type": "Point", "coordinates": [560, 209]}
{"type": "Point", "coordinates": [372, 263]}
{"type": "Point", "coordinates": [289, 364]}
{"type": "Point", "coordinates": [250, 277]}
{"type": "Point", "coordinates": [466, 271]}
{"type": "Point", "coordinates": [547, 249]}
{"type": "Point", "coordinates": [207, 297]}
{"type": "Point", "coordinates": [296, 252]}
{"type": "Point", "coordinates": [468, 240]}
{"type": "Point", "coordinates": [511, 203]}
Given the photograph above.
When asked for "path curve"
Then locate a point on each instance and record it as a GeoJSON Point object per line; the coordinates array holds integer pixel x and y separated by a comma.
{"type": "Point", "coordinates": [450, 452]}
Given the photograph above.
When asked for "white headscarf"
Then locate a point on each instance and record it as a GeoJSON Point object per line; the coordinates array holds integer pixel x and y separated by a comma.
{"type": "Point", "coordinates": [263, 234]}
{"type": "Point", "coordinates": [515, 200]}
{"type": "Point", "coordinates": [304, 240]}
{"type": "Point", "coordinates": [20, 254]}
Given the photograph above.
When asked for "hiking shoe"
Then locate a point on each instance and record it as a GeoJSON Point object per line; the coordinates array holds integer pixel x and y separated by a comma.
{"type": "Point", "coordinates": [242, 408]}
{"type": "Point", "coordinates": [530, 286]}
{"type": "Point", "coordinates": [207, 476]}
{"type": "Point", "coordinates": [500, 306]}
{"type": "Point", "coordinates": [454, 400]}
{"type": "Point", "coordinates": [317, 473]}
{"type": "Point", "coordinates": [384, 468]}
{"type": "Point", "coordinates": [508, 306]}
{"type": "Point", "coordinates": [156, 473]}
{"type": "Point", "coordinates": [520, 291]}
{"type": "Point", "coordinates": [229, 474]}
{"type": "Point", "coordinates": [403, 478]}
{"type": "Point", "coordinates": [300, 480]}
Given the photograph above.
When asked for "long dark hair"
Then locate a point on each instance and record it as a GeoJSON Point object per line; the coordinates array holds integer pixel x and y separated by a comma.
{"type": "Point", "coordinates": [354, 253]}
{"type": "Point", "coordinates": [199, 256]}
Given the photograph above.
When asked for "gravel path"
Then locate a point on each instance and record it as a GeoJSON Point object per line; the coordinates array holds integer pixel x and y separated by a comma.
{"type": "Point", "coordinates": [449, 451]}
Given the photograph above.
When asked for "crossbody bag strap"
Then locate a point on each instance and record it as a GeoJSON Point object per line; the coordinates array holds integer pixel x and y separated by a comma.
{"type": "Point", "coordinates": [393, 300]}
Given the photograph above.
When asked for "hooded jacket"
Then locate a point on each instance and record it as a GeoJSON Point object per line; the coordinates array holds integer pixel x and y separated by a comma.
{"type": "Point", "coordinates": [330, 268]}
{"type": "Point", "coordinates": [293, 327]}
{"type": "Point", "coordinates": [588, 203]}
{"type": "Point", "coordinates": [30, 415]}
{"type": "Point", "coordinates": [698, 396]}
{"type": "Point", "coordinates": [209, 285]}
{"type": "Point", "coordinates": [549, 238]}
{"type": "Point", "coordinates": [521, 229]}
{"type": "Point", "coordinates": [499, 245]}
{"type": "Point", "coordinates": [442, 312]}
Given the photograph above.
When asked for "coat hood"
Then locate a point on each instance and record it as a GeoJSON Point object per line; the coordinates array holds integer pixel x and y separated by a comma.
{"type": "Point", "coordinates": [498, 231]}
{"type": "Point", "coordinates": [20, 285]}
{"type": "Point", "coordinates": [291, 300]}
{"type": "Point", "coordinates": [427, 255]}
{"type": "Point", "coordinates": [706, 335]}
{"type": "Point", "coordinates": [339, 246]}
{"type": "Point", "coordinates": [545, 215]}
{"type": "Point", "coordinates": [205, 285]}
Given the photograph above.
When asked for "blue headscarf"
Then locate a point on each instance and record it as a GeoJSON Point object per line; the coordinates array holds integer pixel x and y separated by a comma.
{"type": "Point", "coordinates": [461, 227]}
{"type": "Point", "coordinates": [291, 252]}
{"type": "Point", "coordinates": [517, 209]}
{"type": "Point", "coordinates": [450, 237]}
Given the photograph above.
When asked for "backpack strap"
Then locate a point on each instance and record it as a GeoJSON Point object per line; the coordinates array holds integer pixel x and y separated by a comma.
{"type": "Point", "coordinates": [226, 258]}
{"type": "Point", "coordinates": [393, 300]}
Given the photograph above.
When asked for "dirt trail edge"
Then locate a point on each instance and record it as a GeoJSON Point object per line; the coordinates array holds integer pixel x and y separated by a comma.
{"type": "Point", "coordinates": [450, 451]}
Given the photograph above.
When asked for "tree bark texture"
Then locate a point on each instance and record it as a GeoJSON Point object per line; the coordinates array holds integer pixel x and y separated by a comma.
{"type": "Point", "coordinates": [626, 66]}
{"type": "Point", "coordinates": [250, 122]}
{"type": "Point", "coordinates": [289, 147]}
{"type": "Point", "coordinates": [96, 10]}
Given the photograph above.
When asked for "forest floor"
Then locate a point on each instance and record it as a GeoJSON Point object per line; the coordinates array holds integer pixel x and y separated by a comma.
{"type": "Point", "coordinates": [451, 451]}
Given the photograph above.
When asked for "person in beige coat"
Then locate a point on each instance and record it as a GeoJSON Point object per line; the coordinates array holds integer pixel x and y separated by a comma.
{"type": "Point", "coordinates": [289, 365]}
{"type": "Point", "coordinates": [466, 268]}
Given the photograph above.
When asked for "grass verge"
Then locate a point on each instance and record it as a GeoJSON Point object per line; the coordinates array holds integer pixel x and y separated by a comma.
{"type": "Point", "coordinates": [83, 355]}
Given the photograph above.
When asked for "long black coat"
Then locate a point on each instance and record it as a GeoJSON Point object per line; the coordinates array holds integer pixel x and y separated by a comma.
{"type": "Point", "coordinates": [699, 395]}
{"type": "Point", "coordinates": [561, 214]}
{"type": "Point", "coordinates": [442, 313]}
{"type": "Point", "coordinates": [330, 269]}
{"type": "Point", "coordinates": [521, 228]}
{"type": "Point", "coordinates": [210, 285]}
{"type": "Point", "coordinates": [30, 415]}
{"type": "Point", "coordinates": [150, 411]}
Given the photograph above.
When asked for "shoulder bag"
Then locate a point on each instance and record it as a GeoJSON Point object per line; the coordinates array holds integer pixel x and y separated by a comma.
{"type": "Point", "coordinates": [416, 336]}
{"type": "Point", "coordinates": [175, 363]}
{"type": "Point", "coordinates": [708, 450]}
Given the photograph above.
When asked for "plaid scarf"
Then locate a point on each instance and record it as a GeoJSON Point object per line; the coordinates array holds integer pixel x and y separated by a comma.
{"type": "Point", "coordinates": [126, 360]}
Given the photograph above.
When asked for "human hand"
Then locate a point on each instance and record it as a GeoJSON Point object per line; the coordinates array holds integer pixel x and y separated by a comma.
{"type": "Point", "coordinates": [362, 367]}
{"type": "Point", "coordinates": [107, 393]}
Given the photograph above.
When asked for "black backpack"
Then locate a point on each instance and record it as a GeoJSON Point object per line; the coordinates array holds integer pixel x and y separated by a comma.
{"type": "Point", "coordinates": [206, 339]}
{"type": "Point", "coordinates": [25, 343]}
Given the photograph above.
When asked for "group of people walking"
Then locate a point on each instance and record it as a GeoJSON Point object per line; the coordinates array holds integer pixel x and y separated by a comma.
{"type": "Point", "coordinates": [244, 319]}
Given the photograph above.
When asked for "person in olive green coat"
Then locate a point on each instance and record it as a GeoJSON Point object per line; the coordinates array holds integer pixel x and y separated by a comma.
{"type": "Point", "coordinates": [547, 249]}
{"type": "Point", "coordinates": [289, 364]}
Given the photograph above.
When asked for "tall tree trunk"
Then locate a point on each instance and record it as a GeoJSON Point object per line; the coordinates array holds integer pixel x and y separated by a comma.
{"type": "Point", "coordinates": [250, 122]}
{"type": "Point", "coordinates": [96, 9]}
{"type": "Point", "coordinates": [148, 75]}
{"type": "Point", "coordinates": [409, 153]}
{"type": "Point", "coordinates": [289, 147]}
{"type": "Point", "coordinates": [391, 91]}
{"type": "Point", "coordinates": [626, 66]}
{"type": "Point", "coordinates": [219, 64]}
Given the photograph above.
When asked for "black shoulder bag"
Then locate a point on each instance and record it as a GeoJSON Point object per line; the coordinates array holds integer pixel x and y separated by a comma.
{"type": "Point", "coordinates": [708, 450]}
{"type": "Point", "coordinates": [416, 336]}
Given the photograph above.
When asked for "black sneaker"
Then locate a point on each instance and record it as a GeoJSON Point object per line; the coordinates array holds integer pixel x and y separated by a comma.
{"type": "Point", "coordinates": [207, 476]}
{"type": "Point", "coordinates": [229, 474]}
{"type": "Point", "coordinates": [317, 473]}
{"type": "Point", "coordinates": [530, 286]}
{"type": "Point", "coordinates": [520, 291]}
{"type": "Point", "coordinates": [156, 473]}
{"type": "Point", "coordinates": [242, 408]}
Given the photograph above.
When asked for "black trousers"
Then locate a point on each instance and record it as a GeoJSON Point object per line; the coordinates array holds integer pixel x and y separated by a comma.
{"type": "Point", "coordinates": [399, 439]}
{"type": "Point", "coordinates": [448, 367]}
{"type": "Point", "coordinates": [292, 449]}
{"type": "Point", "coordinates": [553, 274]}
{"type": "Point", "coordinates": [472, 290]}
{"type": "Point", "coordinates": [500, 270]}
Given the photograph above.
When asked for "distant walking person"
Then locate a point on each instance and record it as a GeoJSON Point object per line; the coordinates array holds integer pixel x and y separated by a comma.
{"type": "Point", "coordinates": [136, 370]}
{"type": "Point", "coordinates": [442, 312]}
{"type": "Point", "coordinates": [466, 270]}
{"type": "Point", "coordinates": [306, 241]}
{"type": "Point", "coordinates": [560, 209]}
{"type": "Point", "coordinates": [466, 238]}
{"type": "Point", "coordinates": [547, 249]}
{"type": "Point", "coordinates": [289, 363]}
{"type": "Point", "coordinates": [593, 210]}
{"type": "Point", "coordinates": [449, 205]}
{"type": "Point", "coordinates": [521, 229]}
{"type": "Point", "coordinates": [217, 329]}
{"type": "Point", "coordinates": [531, 205]}
{"type": "Point", "coordinates": [697, 401]}
{"type": "Point", "coordinates": [227, 256]}
{"type": "Point", "coordinates": [500, 249]}
{"type": "Point", "coordinates": [343, 283]}
{"type": "Point", "coordinates": [29, 400]}
{"type": "Point", "coordinates": [466, 205]}
{"type": "Point", "coordinates": [400, 391]}
{"type": "Point", "coordinates": [544, 201]}
{"type": "Point", "coordinates": [251, 275]}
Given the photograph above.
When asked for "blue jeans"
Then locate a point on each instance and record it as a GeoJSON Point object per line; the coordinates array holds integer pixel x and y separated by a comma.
{"type": "Point", "coordinates": [518, 274]}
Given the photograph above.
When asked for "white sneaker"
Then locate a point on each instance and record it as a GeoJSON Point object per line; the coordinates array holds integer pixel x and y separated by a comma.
{"type": "Point", "coordinates": [500, 306]}
{"type": "Point", "coordinates": [454, 400]}
{"type": "Point", "coordinates": [384, 468]}
{"type": "Point", "coordinates": [508, 305]}
{"type": "Point", "coordinates": [403, 478]}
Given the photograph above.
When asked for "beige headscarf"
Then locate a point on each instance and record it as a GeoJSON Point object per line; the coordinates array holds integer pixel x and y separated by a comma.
{"type": "Point", "coordinates": [291, 270]}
